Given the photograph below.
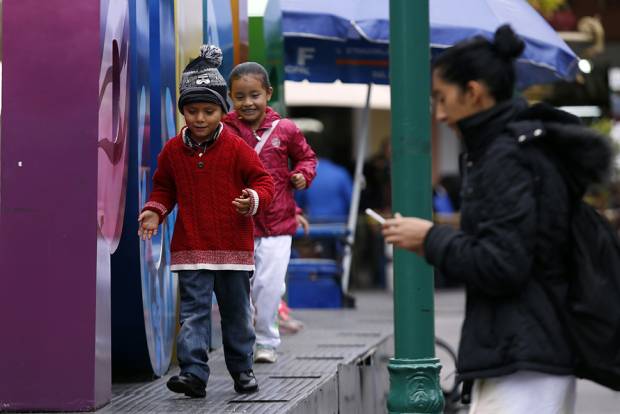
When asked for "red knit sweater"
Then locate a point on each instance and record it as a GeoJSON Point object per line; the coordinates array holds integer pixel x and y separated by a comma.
{"type": "Point", "coordinates": [286, 146]}
{"type": "Point", "coordinates": [208, 232]}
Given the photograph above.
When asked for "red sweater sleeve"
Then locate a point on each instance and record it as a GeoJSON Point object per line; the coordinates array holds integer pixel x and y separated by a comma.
{"type": "Point", "coordinates": [301, 154]}
{"type": "Point", "coordinates": [163, 196]}
{"type": "Point", "coordinates": [255, 177]}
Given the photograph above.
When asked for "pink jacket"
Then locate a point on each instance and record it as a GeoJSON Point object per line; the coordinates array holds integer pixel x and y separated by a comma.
{"type": "Point", "coordinates": [286, 142]}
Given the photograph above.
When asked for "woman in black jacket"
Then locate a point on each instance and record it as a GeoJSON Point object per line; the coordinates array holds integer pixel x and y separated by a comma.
{"type": "Point", "coordinates": [514, 229]}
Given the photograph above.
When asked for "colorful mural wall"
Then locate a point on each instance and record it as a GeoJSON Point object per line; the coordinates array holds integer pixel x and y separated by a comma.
{"type": "Point", "coordinates": [167, 35]}
{"type": "Point", "coordinates": [83, 120]}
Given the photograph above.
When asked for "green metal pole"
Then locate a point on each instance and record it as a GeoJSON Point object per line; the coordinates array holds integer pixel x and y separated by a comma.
{"type": "Point", "coordinates": [414, 371]}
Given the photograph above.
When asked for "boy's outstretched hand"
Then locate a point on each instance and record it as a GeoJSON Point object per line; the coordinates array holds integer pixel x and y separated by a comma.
{"type": "Point", "coordinates": [148, 222]}
{"type": "Point", "coordinates": [242, 203]}
{"type": "Point", "coordinates": [299, 181]}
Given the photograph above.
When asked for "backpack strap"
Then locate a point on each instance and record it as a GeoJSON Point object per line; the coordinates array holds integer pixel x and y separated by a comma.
{"type": "Point", "coordinates": [262, 140]}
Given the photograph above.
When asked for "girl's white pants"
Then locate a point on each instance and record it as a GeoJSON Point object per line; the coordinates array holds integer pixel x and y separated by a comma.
{"type": "Point", "coordinates": [271, 256]}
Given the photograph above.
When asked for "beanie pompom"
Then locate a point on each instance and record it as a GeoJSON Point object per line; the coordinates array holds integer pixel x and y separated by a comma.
{"type": "Point", "coordinates": [212, 54]}
{"type": "Point", "coordinates": [201, 80]}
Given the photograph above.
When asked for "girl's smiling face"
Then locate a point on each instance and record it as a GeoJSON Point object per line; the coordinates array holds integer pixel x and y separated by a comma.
{"type": "Point", "coordinates": [250, 97]}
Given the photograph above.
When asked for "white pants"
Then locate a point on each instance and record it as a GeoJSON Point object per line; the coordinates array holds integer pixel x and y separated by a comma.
{"type": "Point", "coordinates": [271, 255]}
{"type": "Point", "coordinates": [524, 392]}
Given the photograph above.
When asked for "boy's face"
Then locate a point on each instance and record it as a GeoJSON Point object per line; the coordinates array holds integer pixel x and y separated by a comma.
{"type": "Point", "coordinates": [202, 119]}
{"type": "Point", "coordinates": [250, 98]}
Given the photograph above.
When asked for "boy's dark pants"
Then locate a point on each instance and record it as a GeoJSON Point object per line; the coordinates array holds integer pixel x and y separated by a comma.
{"type": "Point", "coordinates": [232, 290]}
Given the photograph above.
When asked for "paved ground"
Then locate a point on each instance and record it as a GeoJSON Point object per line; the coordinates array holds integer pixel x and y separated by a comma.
{"type": "Point", "coordinates": [307, 377]}
{"type": "Point", "coordinates": [308, 365]}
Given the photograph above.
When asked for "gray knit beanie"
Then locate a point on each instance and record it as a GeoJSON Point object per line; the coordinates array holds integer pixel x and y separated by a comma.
{"type": "Point", "coordinates": [202, 82]}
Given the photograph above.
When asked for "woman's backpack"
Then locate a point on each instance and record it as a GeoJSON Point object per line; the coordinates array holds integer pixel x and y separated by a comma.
{"type": "Point", "coordinates": [593, 317]}
{"type": "Point", "coordinates": [591, 312]}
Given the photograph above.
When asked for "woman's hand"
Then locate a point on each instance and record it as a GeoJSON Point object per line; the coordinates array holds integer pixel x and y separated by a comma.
{"type": "Point", "coordinates": [242, 203]}
{"type": "Point", "coordinates": [299, 181]}
{"type": "Point", "coordinates": [407, 232]}
{"type": "Point", "coordinates": [148, 222]}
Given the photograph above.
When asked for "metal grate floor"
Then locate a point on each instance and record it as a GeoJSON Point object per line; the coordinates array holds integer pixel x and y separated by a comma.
{"type": "Point", "coordinates": [303, 380]}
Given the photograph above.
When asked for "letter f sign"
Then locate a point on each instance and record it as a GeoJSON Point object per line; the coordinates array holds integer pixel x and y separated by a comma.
{"type": "Point", "coordinates": [303, 54]}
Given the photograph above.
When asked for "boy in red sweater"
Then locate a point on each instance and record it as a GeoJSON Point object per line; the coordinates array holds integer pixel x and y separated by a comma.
{"type": "Point", "coordinates": [218, 183]}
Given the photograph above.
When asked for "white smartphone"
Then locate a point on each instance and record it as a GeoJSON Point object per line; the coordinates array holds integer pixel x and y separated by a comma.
{"type": "Point", "coordinates": [374, 215]}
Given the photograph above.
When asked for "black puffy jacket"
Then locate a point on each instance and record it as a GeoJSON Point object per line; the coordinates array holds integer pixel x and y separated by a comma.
{"type": "Point", "coordinates": [514, 235]}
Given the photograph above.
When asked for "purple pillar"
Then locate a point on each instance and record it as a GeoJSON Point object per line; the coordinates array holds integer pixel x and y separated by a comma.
{"type": "Point", "coordinates": [62, 178]}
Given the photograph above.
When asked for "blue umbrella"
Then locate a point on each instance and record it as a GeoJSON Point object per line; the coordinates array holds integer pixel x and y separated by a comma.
{"type": "Point", "coordinates": [326, 40]}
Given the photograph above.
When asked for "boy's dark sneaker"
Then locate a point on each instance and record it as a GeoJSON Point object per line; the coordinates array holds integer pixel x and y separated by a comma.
{"type": "Point", "coordinates": [245, 382]}
{"type": "Point", "coordinates": [187, 384]}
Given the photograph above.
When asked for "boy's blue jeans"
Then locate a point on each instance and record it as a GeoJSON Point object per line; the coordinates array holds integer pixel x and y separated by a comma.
{"type": "Point", "coordinates": [232, 290]}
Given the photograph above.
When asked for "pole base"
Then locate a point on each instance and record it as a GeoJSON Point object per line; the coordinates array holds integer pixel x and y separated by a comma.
{"type": "Point", "coordinates": [414, 387]}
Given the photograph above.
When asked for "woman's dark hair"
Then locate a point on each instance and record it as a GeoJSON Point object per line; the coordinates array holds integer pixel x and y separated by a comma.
{"type": "Point", "coordinates": [249, 68]}
{"type": "Point", "coordinates": [479, 59]}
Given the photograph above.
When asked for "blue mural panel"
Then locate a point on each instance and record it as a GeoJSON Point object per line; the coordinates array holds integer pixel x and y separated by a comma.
{"type": "Point", "coordinates": [129, 352]}
{"type": "Point", "coordinates": [218, 30]}
{"type": "Point", "coordinates": [143, 288]}
{"type": "Point", "coordinates": [159, 285]}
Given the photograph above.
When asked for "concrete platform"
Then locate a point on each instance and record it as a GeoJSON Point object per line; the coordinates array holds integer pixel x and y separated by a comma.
{"type": "Point", "coordinates": [323, 368]}
{"type": "Point", "coordinates": [336, 364]}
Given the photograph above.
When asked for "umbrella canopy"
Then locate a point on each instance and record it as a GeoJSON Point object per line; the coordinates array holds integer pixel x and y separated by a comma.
{"type": "Point", "coordinates": [325, 40]}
